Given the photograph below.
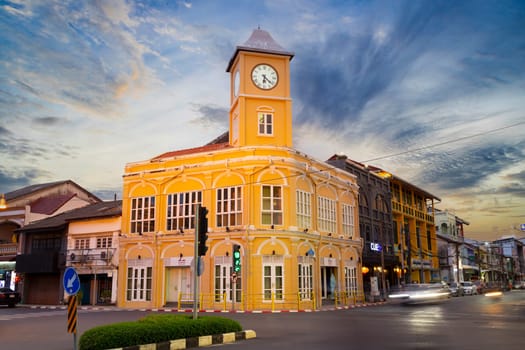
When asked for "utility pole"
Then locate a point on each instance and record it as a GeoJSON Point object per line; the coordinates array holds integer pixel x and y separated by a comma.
{"type": "Point", "coordinates": [457, 262]}
{"type": "Point", "coordinates": [409, 253]}
{"type": "Point", "coordinates": [383, 282]}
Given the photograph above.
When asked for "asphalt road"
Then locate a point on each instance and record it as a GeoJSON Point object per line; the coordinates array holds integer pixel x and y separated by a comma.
{"type": "Point", "coordinates": [463, 323]}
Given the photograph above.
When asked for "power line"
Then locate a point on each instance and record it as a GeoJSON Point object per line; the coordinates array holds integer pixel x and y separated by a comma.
{"type": "Point", "coordinates": [443, 143]}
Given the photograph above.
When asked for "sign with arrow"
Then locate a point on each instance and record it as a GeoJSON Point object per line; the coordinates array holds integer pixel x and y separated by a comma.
{"type": "Point", "coordinates": [71, 281]}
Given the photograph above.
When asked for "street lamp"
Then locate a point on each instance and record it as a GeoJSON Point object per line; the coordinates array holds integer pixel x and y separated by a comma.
{"type": "Point", "coordinates": [3, 203]}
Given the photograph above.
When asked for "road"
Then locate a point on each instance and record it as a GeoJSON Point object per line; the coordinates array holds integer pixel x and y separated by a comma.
{"type": "Point", "coordinates": [464, 323]}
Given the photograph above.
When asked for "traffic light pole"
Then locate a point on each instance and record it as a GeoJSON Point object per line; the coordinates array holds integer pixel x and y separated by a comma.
{"type": "Point", "coordinates": [196, 262]}
{"type": "Point", "coordinates": [234, 290]}
{"type": "Point", "coordinates": [236, 268]}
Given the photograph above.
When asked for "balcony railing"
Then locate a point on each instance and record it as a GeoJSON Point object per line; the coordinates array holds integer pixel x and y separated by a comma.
{"type": "Point", "coordinates": [7, 249]}
{"type": "Point", "coordinates": [95, 256]}
{"type": "Point", "coordinates": [410, 211]}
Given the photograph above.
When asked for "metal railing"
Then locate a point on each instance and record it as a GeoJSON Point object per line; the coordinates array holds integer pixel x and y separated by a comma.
{"type": "Point", "coordinates": [7, 249]}
{"type": "Point", "coordinates": [272, 302]}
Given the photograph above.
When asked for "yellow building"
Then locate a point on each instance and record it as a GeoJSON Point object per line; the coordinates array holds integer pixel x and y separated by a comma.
{"type": "Point", "coordinates": [295, 218]}
{"type": "Point", "coordinates": [414, 231]}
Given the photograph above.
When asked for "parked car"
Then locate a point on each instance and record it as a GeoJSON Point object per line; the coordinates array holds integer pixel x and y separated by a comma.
{"type": "Point", "coordinates": [469, 288]}
{"type": "Point", "coordinates": [519, 285]}
{"type": "Point", "coordinates": [9, 297]}
{"type": "Point", "coordinates": [480, 286]}
{"type": "Point", "coordinates": [456, 289]}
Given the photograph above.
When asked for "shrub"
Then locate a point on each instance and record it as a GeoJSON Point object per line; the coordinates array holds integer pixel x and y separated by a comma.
{"type": "Point", "coordinates": [154, 329]}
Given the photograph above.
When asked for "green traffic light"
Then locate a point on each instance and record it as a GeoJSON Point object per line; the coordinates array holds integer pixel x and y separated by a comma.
{"type": "Point", "coordinates": [236, 258]}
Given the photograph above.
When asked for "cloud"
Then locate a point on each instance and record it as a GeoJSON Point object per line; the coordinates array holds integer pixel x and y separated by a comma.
{"type": "Point", "coordinates": [48, 121]}
{"type": "Point", "coordinates": [470, 168]}
{"type": "Point", "coordinates": [11, 180]}
{"type": "Point", "coordinates": [212, 116]}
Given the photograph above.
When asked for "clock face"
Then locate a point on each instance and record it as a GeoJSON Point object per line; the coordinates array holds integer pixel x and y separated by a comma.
{"type": "Point", "coordinates": [264, 76]}
{"type": "Point", "coordinates": [236, 82]}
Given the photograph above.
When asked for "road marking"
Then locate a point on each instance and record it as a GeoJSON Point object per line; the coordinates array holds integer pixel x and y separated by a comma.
{"type": "Point", "coordinates": [31, 315]}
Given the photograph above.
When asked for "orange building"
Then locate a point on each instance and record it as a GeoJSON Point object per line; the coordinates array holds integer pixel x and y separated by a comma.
{"type": "Point", "coordinates": [294, 217]}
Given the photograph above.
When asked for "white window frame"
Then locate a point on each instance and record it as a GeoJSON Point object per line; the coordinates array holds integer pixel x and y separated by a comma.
{"type": "Point", "coordinates": [104, 242]}
{"type": "Point", "coordinates": [348, 220]}
{"type": "Point", "coordinates": [305, 276]}
{"type": "Point", "coordinates": [326, 214]}
{"type": "Point", "coordinates": [82, 243]}
{"type": "Point", "coordinates": [223, 282]}
{"type": "Point", "coordinates": [265, 123]}
{"type": "Point", "coordinates": [142, 218]}
{"type": "Point", "coordinates": [180, 208]}
{"type": "Point", "coordinates": [139, 281]}
{"type": "Point", "coordinates": [272, 205]}
{"type": "Point", "coordinates": [273, 278]}
{"type": "Point", "coordinates": [303, 205]}
{"type": "Point", "coordinates": [229, 206]}
{"type": "Point", "coordinates": [351, 280]}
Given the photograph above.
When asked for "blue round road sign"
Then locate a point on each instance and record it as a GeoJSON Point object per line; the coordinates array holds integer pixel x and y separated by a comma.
{"type": "Point", "coordinates": [71, 281]}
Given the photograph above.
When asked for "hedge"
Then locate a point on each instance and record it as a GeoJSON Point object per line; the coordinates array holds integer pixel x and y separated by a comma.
{"type": "Point", "coordinates": [154, 328]}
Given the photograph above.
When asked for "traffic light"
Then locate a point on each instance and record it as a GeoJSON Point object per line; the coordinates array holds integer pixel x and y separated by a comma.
{"type": "Point", "coordinates": [236, 258]}
{"type": "Point", "coordinates": [203, 230]}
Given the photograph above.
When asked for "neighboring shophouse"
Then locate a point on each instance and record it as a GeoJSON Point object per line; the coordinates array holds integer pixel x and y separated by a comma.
{"type": "Point", "coordinates": [380, 263]}
{"type": "Point", "coordinates": [451, 246]}
{"type": "Point", "coordinates": [415, 241]}
{"type": "Point", "coordinates": [24, 206]}
{"type": "Point", "coordinates": [86, 239]}
{"type": "Point", "coordinates": [294, 218]}
{"type": "Point", "coordinates": [512, 259]}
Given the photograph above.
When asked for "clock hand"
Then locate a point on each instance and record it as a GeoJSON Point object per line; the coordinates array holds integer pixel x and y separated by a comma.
{"type": "Point", "coordinates": [265, 79]}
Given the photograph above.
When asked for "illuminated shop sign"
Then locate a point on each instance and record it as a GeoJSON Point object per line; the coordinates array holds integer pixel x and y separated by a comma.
{"type": "Point", "coordinates": [376, 247]}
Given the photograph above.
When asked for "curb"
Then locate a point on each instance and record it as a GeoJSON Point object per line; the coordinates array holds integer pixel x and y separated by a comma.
{"type": "Point", "coordinates": [167, 309]}
{"type": "Point", "coordinates": [194, 342]}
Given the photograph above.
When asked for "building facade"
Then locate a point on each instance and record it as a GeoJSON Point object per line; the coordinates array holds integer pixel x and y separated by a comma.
{"type": "Point", "coordinates": [92, 249]}
{"type": "Point", "coordinates": [50, 246]}
{"type": "Point", "coordinates": [294, 218]}
{"type": "Point", "coordinates": [380, 262]}
{"type": "Point", "coordinates": [24, 206]}
{"type": "Point", "coordinates": [512, 263]}
{"type": "Point", "coordinates": [414, 231]}
{"type": "Point", "coordinates": [451, 247]}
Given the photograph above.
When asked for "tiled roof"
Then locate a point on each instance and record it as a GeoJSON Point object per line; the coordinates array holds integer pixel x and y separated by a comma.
{"type": "Point", "coordinates": [202, 149]}
{"type": "Point", "coordinates": [32, 189]}
{"type": "Point", "coordinates": [49, 205]}
{"type": "Point", "coordinates": [97, 210]}
{"type": "Point", "coordinates": [260, 41]}
{"type": "Point", "coordinates": [224, 138]}
{"type": "Point", "coordinates": [24, 191]}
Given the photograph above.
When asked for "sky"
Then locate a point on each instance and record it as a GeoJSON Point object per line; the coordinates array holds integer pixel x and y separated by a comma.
{"type": "Point", "coordinates": [431, 91]}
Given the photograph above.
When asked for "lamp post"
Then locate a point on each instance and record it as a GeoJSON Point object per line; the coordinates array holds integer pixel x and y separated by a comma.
{"type": "Point", "coordinates": [3, 203]}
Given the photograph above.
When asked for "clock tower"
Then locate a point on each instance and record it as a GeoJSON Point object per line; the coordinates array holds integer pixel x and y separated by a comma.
{"type": "Point", "coordinates": [261, 106]}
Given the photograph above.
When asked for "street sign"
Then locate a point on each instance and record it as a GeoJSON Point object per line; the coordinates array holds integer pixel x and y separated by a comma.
{"type": "Point", "coordinates": [200, 266]}
{"type": "Point", "coordinates": [71, 281]}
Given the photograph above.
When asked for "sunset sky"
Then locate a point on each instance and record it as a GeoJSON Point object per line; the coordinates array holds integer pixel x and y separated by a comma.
{"type": "Point", "coordinates": [432, 91]}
